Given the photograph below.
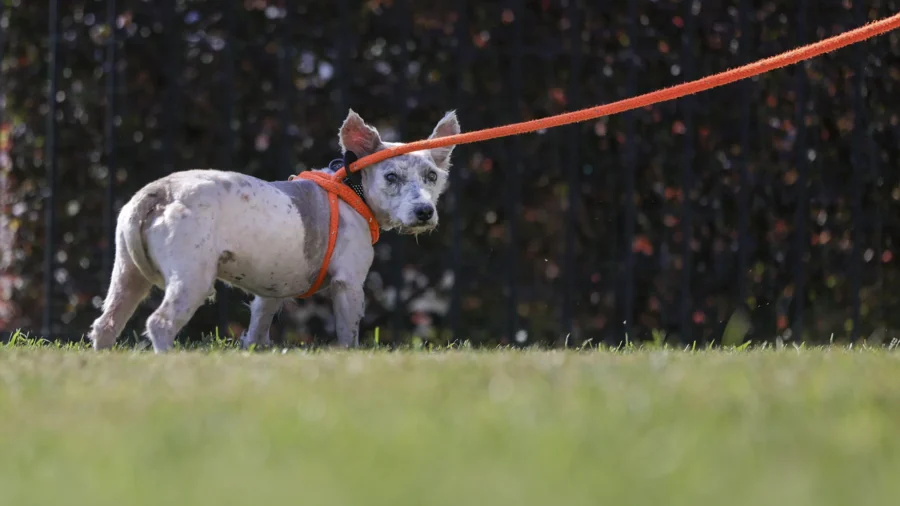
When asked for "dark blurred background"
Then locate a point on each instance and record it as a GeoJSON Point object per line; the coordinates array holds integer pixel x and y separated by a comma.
{"type": "Point", "coordinates": [771, 204]}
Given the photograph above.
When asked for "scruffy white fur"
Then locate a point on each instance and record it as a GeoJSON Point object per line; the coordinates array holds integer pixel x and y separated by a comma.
{"type": "Point", "coordinates": [184, 231]}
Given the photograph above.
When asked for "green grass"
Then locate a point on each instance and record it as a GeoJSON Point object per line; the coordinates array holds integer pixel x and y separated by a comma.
{"type": "Point", "coordinates": [755, 427]}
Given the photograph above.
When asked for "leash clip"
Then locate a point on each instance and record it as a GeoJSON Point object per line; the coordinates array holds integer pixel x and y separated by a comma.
{"type": "Point", "coordinates": [353, 179]}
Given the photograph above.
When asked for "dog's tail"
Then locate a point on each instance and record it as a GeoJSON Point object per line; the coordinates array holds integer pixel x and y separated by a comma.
{"type": "Point", "coordinates": [132, 220]}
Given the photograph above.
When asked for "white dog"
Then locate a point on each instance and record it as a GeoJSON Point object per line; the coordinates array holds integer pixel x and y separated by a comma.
{"type": "Point", "coordinates": [186, 230]}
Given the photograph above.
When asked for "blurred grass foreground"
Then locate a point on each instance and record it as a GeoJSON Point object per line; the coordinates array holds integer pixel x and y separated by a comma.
{"type": "Point", "coordinates": [774, 427]}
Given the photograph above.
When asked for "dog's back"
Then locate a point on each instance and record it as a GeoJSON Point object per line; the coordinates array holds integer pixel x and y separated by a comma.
{"type": "Point", "coordinates": [246, 228]}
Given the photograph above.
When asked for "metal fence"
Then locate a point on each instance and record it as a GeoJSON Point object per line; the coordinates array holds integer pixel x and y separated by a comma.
{"type": "Point", "coordinates": [772, 199]}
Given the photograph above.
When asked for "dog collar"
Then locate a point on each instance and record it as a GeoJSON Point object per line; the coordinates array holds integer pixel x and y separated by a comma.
{"type": "Point", "coordinates": [348, 190]}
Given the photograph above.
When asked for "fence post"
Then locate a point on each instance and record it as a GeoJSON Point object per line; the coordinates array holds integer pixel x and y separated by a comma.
{"type": "Point", "coordinates": [747, 91]}
{"type": "Point", "coordinates": [285, 89]}
{"type": "Point", "coordinates": [342, 41]}
{"type": "Point", "coordinates": [461, 152]}
{"type": "Point", "coordinates": [52, 160]}
{"type": "Point", "coordinates": [687, 181]}
{"type": "Point", "coordinates": [109, 212]}
{"type": "Point", "coordinates": [860, 169]}
{"type": "Point", "coordinates": [630, 168]}
{"type": "Point", "coordinates": [873, 151]}
{"type": "Point", "coordinates": [514, 171]}
{"type": "Point", "coordinates": [173, 71]}
{"type": "Point", "coordinates": [399, 317]}
{"type": "Point", "coordinates": [878, 225]}
{"type": "Point", "coordinates": [227, 152]}
{"type": "Point", "coordinates": [801, 239]}
{"type": "Point", "coordinates": [573, 164]}
{"type": "Point", "coordinates": [6, 231]}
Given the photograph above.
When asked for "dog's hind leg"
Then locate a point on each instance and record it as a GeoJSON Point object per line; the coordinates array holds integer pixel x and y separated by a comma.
{"type": "Point", "coordinates": [127, 288]}
{"type": "Point", "coordinates": [186, 290]}
{"type": "Point", "coordinates": [262, 310]}
{"type": "Point", "coordinates": [183, 247]}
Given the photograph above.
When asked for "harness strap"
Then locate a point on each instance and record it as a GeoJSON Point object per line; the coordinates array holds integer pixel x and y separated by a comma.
{"type": "Point", "coordinates": [336, 189]}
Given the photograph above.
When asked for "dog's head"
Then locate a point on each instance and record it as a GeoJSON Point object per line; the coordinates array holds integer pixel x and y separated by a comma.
{"type": "Point", "coordinates": [402, 191]}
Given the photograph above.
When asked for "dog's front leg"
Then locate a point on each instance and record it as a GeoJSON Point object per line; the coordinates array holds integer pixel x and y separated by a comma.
{"type": "Point", "coordinates": [262, 310]}
{"type": "Point", "coordinates": [349, 305]}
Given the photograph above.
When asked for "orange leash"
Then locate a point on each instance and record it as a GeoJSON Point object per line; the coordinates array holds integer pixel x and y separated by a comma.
{"type": "Point", "coordinates": [336, 189]}
{"type": "Point", "coordinates": [788, 58]}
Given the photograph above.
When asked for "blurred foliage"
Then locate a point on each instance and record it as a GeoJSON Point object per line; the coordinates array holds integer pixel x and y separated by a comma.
{"type": "Point", "coordinates": [287, 77]}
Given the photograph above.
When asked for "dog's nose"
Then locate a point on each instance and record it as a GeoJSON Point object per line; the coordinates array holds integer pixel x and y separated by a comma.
{"type": "Point", "coordinates": [424, 212]}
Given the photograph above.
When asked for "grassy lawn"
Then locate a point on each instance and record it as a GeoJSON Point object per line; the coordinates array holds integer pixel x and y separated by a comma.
{"type": "Point", "coordinates": [813, 427]}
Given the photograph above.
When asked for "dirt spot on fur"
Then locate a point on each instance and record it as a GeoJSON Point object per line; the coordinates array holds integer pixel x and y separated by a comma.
{"type": "Point", "coordinates": [226, 257]}
{"type": "Point", "coordinates": [245, 197]}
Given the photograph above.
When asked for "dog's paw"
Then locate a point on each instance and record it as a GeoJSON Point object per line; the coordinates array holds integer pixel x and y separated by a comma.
{"type": "Point", "coordinates": [250, 344]}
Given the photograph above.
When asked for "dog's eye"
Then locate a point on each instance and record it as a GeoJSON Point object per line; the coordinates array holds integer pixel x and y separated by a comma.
{"type": "Point", "coordinates": [391, 178]}
{"type": "Point", "coordinates": [431, 176]}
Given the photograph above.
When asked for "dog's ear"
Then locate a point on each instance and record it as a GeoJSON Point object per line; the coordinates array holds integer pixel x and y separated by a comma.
{"type": "Point", "coordinates": [448, 125]}
{"type": "Point", "coordinates": [356, 136]}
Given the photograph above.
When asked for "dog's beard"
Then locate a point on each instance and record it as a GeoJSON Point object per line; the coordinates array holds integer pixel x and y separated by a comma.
{"type": "Point", "coordinates": [404, 230]}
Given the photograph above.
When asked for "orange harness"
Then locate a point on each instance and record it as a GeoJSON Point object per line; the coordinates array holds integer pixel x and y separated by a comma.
{"type": "Point", "coordinates": [335, 187]}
